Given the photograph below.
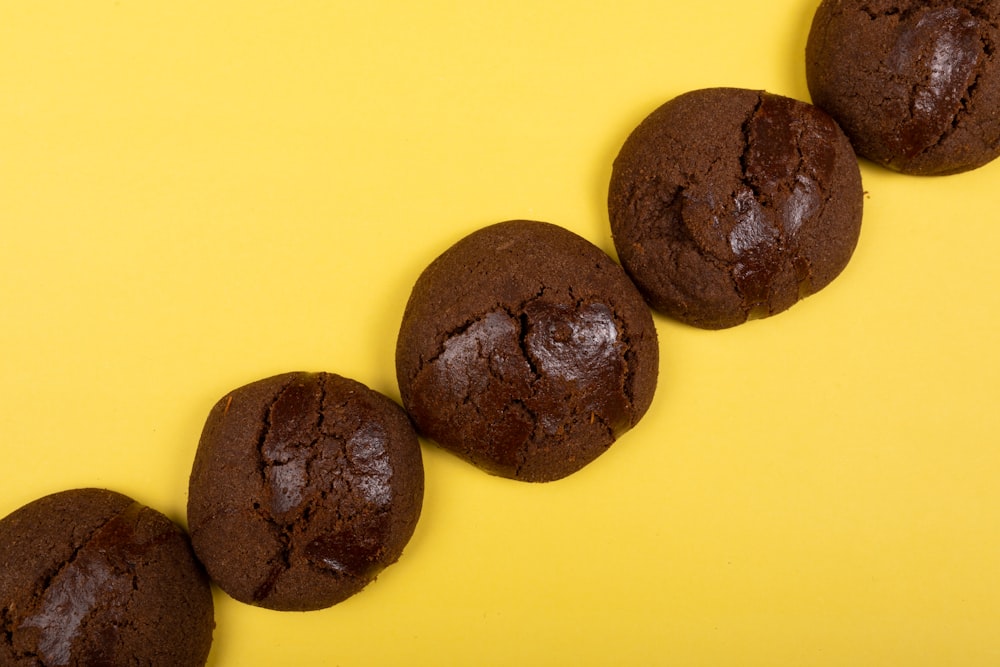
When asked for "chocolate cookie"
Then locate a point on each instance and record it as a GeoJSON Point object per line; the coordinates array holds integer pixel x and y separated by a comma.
{"type": "Point", "coordinates": [728, 204]}
{"type": "Point", "coordinates": [91, 577]}
{"type": "Point", "coordinates": [304, 487]}
{"type": "Point", "coordinates": [526, 350]}
{"type": "Point", "coordinates": [915, 85]}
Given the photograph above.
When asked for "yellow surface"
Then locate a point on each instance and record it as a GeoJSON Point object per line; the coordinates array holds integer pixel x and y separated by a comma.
{"type": "Point", "coordinates": [195, 195]}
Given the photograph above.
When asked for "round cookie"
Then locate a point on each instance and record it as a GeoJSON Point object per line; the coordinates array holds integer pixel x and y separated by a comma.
{"type": "Point", "coordinates": [526, 350]}
{"type": "Point", "coordinates": [92, 577]}
{"type": "Point", "coordinates": [915, 85]}
{"type": "Point", "coordinates": [729, 204]}
{"type": "Point", "coordinates": [304, 487]}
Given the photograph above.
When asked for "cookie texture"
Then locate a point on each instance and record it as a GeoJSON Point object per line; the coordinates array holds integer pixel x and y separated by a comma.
{"type": "Point", "coordinates": [729, 204]}
{"type": "Point", "coordinates": [526, 350]}
{"type": "Point", "coordinates": [92, 577]}
{"type": "Point", "coordinates": [915, 85]}
{"type": "Point", "coordinates": [305, 486]}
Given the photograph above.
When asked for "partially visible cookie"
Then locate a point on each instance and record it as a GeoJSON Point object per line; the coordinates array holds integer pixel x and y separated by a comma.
{"type": "Point", "coordinates": [526, 350]}
{"type": "Point", "coordinates": [914, 84]}
{"type": "Point", "coordinates": [91, 577]}
{"type": "Point", "coordinates": [304, 487]}
{"type": "Point", "coordinates": [729, 204]}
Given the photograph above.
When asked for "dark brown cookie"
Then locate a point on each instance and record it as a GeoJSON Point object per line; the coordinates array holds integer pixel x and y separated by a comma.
{"type": "Point", "coordinates": [915, 85]}
{"type": "Point", "coordinates": [526, 350]}
{"type": "Point", "coordinates": [728, 204]}
{"type": "Point", "coordinates": [305, 486]}
{"type": "Point", "coordinates": [91, 577]}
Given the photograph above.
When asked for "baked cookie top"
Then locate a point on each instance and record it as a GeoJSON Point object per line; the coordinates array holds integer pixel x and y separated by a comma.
{"type": "Point", "coordinates": [915, 85]}
{"type": "Point", "coordinates": [526, 350]}
{"type": "Point", "coordinates": [92, 577]}
{"type": "Point", "coordinates": [305, 486]}
{"type": "Point", "coordinates": [729, 204]}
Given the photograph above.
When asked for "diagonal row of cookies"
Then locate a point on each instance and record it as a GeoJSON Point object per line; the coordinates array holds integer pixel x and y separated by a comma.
{"type": "Point", "coordinates": [523, 349]}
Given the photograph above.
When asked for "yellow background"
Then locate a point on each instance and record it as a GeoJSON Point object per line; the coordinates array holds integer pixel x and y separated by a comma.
{"type": "Point", "coordinates": [195, 195]}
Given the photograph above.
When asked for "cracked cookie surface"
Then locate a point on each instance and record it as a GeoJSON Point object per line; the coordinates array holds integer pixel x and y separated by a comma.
{"type": "Point", "coordinates": [729, 204]}
{"type": "Point", "coordinates": [915, 85]}
{"type": "Point", "coordinates": [91, 577]}
{"type": "Point", "coordinates": [304, 488]}
{"type": "Point", "coordinates": [526, 350]}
